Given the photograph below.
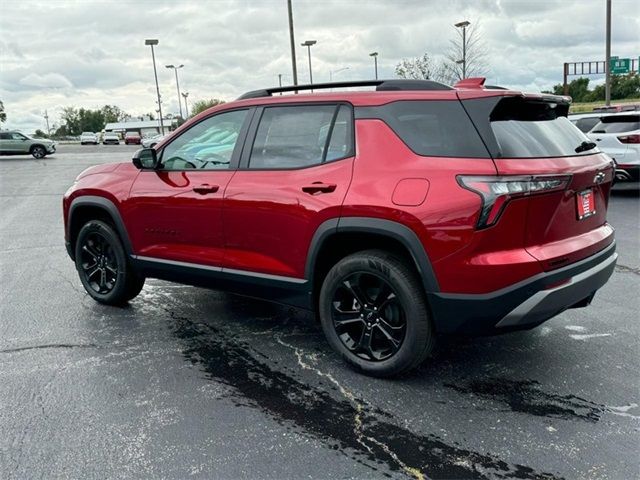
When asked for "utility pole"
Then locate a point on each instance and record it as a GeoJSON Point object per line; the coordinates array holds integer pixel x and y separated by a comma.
{"type": "Point", "coordinates": [607, 61]}
{"type": "Point", "coordinates": [293, 44]}
{"type": "Point", "coordinates": [46, 117]}
{"type": "Point", "coordinates": [152, 42]}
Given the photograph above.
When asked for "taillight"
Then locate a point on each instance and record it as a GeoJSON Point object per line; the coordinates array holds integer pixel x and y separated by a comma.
{"type": "Point", "coordinates": [630, 138]}
{"type": "Point", "coordinates": [497, 191]}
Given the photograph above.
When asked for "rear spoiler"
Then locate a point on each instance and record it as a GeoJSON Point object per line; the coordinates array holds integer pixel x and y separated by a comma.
{"type": "Point", "coordinates": [478, 83]}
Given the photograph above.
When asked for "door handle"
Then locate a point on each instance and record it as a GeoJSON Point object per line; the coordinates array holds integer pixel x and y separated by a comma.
{"type": "Point", "coordinates": [319, 187]}
{"type": "Point", "coordinates": [205, 188]}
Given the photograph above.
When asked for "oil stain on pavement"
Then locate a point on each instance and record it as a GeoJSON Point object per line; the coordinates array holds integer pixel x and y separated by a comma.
{"type": "Point", "coordinates": [349, 424]}
{"type": "Point", "coordinates": [525, 396]}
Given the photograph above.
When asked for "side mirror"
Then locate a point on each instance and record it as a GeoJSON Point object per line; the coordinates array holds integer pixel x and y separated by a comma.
{"type": "Point", "coordinates": [145, 158]}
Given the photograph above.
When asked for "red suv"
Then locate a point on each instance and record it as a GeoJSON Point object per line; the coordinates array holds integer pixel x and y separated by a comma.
{"type": "Point", "coordinates": [395, 214]}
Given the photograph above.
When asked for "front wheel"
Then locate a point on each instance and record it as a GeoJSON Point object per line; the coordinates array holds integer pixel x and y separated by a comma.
{"type": "Point", "coordinates": [38, 152]}
{"type": "Point", "coordinates": [102, 265]}
{"type": "Point", "coordinates": [374, 313]}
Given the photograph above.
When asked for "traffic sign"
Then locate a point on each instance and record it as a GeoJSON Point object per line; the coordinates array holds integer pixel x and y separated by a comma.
{"type": "Point", "coordinates": [620, 65]}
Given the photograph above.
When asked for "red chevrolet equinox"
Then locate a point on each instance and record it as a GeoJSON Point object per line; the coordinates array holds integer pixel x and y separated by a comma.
{"type": "Point", "coordinates": [396, 214]}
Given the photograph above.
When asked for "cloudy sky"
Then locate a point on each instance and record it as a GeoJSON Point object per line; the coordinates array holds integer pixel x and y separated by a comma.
{"type": "Point", "coordinates": [59, 53]}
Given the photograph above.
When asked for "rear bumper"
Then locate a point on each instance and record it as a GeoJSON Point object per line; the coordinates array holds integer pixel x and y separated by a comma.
{"type": "Point", "coordinates": [526, 304]}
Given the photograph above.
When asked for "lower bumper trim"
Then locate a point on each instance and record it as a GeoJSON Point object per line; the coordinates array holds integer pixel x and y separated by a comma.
{"type": "Point", "coordinates": [526, 304]}
{"type": "Point", "coordinates": [548, 303]}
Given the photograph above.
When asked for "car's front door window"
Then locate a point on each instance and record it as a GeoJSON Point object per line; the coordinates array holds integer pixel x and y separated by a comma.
{"type": "Point", "coordinates": [208, 145]}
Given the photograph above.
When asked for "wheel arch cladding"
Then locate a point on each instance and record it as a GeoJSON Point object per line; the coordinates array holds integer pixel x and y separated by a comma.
{"type": "Point", "coordinates": [87, 208]}
{"type": "Point", "coordinates": [350, 233]}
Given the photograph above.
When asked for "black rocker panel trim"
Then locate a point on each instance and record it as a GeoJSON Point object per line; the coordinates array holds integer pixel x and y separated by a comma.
{"type": "Point", "coordinates": [106, 205]}
{"type": "Point", "coordinates": [285, 290]}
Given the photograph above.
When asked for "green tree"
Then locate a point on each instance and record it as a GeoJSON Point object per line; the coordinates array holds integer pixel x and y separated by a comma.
{"type": "Point", "coordinates": [3, 114]}
{"type": "Point", "coordinates": [622, 86]}
{"type": "Point", "coordinates": [202, 105]}
{"type": "Point", "coordinates": [40, 134]}
{"type": "Point", "coordinates": [578, 89]}
{"type": "Point", "coordinates": [112, 113]}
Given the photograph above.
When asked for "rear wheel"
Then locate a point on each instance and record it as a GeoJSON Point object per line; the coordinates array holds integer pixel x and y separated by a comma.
{"type": "Point", "coordinates": [102, 265]}
{"type": "Point", "coordinates": [374, 313]}
{"type": "Point", "coordinates": [38, 152]}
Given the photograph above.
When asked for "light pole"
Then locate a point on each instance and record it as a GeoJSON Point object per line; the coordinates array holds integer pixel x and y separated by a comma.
{"type": "Point", "coordinates": [464, 24]}
{"type": "Point", "coordinates": [46, 117]}
{"type": "Point", "coordinates": [293, 44]}
{"type": "Point", "coordinates": [335, 72]}
{"type": "Point", "coordinates": [152, 42]}
{"type": "Point", "coordinates": [375, 62]}
{"type": "Point", "coordinates": [308, 44]}
{"type": "Point", "coordinates": [607, 60]}
{"type": "Point", "coordinates": [186, 107]}
{"type": "Point", "coordinates": [175, 69]}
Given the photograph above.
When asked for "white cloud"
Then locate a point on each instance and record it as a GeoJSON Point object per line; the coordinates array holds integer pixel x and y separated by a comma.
{"type": "Point", "coordinates": [48, 80]}
{"type": "Point", "coordinates": [87, 54]}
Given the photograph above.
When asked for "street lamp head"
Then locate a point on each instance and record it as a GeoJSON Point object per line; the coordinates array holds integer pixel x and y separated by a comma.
{"type": "Point", "coordinates": [151, 41]}
{"type": "Point", "coordinates": [462, 24]}
{"type": "Point", "coordinates": [459, 61]}
{"type": "Point", "coordinates": [169, 66]}
{"type": "Point", "coordinates": [373, 54]}
{"type": "Point", "coordinates": [308, 43]}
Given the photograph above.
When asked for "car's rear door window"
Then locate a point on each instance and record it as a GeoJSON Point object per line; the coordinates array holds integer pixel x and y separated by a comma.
{"type": "Point", "coordinates": [298, 136]}
{"type": "Point", "coordinates": [437, 128]}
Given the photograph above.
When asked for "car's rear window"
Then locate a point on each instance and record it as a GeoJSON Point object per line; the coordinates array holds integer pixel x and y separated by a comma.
{"type": "Point", "coordinates": [437, 128]}
{"type": "Point", "coordinates": [534, 129]}
{"type": "Point", "coordinates": [618, 124]}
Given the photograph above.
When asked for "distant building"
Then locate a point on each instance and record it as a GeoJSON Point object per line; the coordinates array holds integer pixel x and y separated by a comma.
{"type": "Point", "coordinates": [146, 128]}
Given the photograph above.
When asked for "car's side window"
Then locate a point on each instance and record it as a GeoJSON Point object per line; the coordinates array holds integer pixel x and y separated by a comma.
{"type": "Point", "coordinates": [208, 145]}
{"type": "Point", "coordinates": [5, 136]}
{"type": "Point", "coordinates": [301, 136]}
{"type": "Point", "coordinates": [18, 136]}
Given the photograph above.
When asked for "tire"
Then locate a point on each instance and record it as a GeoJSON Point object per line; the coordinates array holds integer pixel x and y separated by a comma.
{"type": "Point", "coordinates": [102, 265]}
{"type": "Point", "coordinates": [378, 279]}
{"type": "Point", "coordinates": [38, 152]}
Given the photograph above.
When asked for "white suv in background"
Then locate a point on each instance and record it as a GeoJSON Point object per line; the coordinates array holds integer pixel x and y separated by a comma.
{"type": "Point", "coordinates": [618, 135]}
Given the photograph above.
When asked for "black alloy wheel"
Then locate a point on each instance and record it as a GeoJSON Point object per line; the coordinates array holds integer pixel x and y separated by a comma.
{"type": "Point", "coordinates": [374, 313]}
{"type": "Point", "coordinates": [367, 316]}
{"type": "Point", "coordinates": [99, 263]}
{"type": "Point", "coordinates": [102, 265]}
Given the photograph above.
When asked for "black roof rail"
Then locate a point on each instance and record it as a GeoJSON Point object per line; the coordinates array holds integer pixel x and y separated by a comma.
{"type": "Point", "coordinates": [381, 85]}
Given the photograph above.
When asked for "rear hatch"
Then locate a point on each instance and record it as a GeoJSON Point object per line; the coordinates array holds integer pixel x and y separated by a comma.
{"type": "Point", "coordinates": [542, 157]}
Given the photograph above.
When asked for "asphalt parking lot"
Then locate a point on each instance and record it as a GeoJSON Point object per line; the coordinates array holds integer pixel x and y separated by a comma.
{"type": "Point", "coordinates": [186, 382]}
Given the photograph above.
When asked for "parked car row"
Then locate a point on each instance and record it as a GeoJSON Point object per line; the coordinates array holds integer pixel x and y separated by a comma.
{"type": "Point", "coordinates": [130, 138]}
